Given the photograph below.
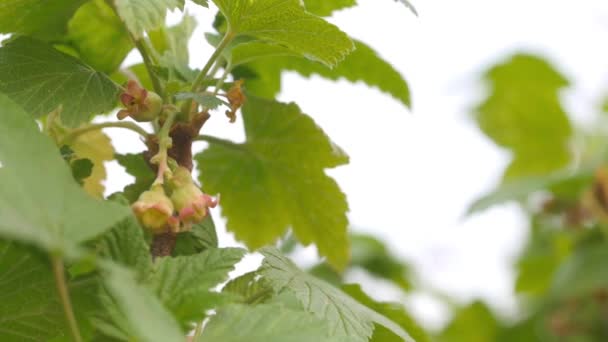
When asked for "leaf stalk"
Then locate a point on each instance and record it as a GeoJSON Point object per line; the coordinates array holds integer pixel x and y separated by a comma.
{"type": "Point", "coordinates": [62, 289]}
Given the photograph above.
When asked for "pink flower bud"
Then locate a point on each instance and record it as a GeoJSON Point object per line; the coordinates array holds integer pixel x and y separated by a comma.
{"type": "Point", "coordinates": [140, 104]}
{"type": "Point", "coordinates": [155, 210]}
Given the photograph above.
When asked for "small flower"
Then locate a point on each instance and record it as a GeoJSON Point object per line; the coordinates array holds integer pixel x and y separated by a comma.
{"type": "Point", "coordinates": [154, 210]}
{"type": "Point", "coordinates": [236, 98]}
{"type": "Point", "coordinates": [140, 104]}
{"type": "Point", "coordinates": [191, 204]}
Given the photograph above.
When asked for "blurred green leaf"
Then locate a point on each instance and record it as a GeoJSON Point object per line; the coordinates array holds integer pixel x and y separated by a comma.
{"type": "Point", "coordinates": [38, 18]}
{"type": "Point", "coordinates": [523, 113]}
{"type": "Point", "coordinates": [393, 311]}
{"type": "Point", "coordinates": [40, 203]}
{"type": "Point", "coordinates": [285, 22]}
{"type": "Point", "coordinates": [363, 64]}
{"type": "Point", "coordinates": [144, 15]}
{"type": "Point", "coordinates": [277, 179]}
{"type": "Point", "coordinates": [99, 36]}
{"type": "Point", "coordinates": [136, 166]}
{"type": "Point", "coordinates": [473, 323]}
{"type": "Point", "coordinates": [81, 169]}
{"type": "Point", "coordinates": [171, 45]}
{"type": "Point", "coordinates": [30, 309]}
{"type": "Point", "coordinates": [263, 323]}
{"type": "Point", "coordinates": [40, 79]}
{"type": "Point", "coordinates": [138, 309]}
{"type": "Point", "coordinates": [565, 183]}
{"type": "Point", "coordinates": [346, 317]}
{"type": "Point", "coordinates": [583, 272]}
{"type": "Point", "coordinates": [372, 255]}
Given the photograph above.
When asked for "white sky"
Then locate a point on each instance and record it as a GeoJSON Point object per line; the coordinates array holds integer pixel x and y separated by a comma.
{"type": "Point", "coordinates": [412, 174]}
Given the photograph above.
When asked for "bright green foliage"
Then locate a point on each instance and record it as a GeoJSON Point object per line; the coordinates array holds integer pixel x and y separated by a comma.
{"type": "Point", "coordinates": [473, 323]}
{"type": "Point", "coordinates": [325, 8]}
{"type": "Point", "coordinates": [143, 15]}
{"type": "Point", "coordinates": [523, 113]}
{"type": "Point", "coordinates": [346, 317]}
{"type": "Point", "coordinates": [285, 22]}
{"type": "Point", "coordinates": [147, 320]}
{"type": "Point", "coordinates": [264, 323]}
{"type": "Point", "coordinates": [246, 52]}
{"type": "Point", "coordinates": [373, 256]}
{"type": "Point", "coordinates": [171, 45]}
{"type": "Point", "coordinates": [285, 184]}
{"type": "Point", "coordinates": [65, 215]}
{"type": "Point", "coordinates": [183, 283]}
{"type": "Point", "coordinates": [136, 166]}
{"type": "Point", "coordinates": [81, 169]}
{"type": "Point", "coordinates": [393, 311]}
{"type": "Point", "coordinates": [39, 18]}
{"type": "Point", "coordinates": [584, 271]}
{"type": "Point", "coordinates": [363, 64]}
{"type": "Point", "coordinates": [99, 36]}
{"type": "Point", "coordinates": [40, 79]}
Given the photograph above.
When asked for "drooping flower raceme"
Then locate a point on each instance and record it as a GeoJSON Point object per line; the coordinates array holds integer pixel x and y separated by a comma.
{"type": "Point", "coordinates": [142, 105]}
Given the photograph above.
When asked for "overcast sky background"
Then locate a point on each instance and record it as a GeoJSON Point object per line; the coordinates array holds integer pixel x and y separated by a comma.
{"type": "Point", "coordinates": [413, 173]}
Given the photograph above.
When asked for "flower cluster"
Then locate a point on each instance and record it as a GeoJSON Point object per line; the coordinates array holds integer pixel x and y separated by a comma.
{"type": "Point", "coordinates": [175, 207]}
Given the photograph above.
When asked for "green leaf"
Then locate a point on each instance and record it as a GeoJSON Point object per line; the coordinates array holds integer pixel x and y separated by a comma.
{"type": "Point", "coordinates": [139, 309]}
{"type": "Point", "coordinates": [40, 202]}
{"type": "Point", "coordinates": [99, 36]}
{"type": "Point", "coordinates": [39, 18]}
{"type": "Point", "coordinates": [208, 101]}
{"type": "Point", "coordinates": [246, 52]}
{"type": "Point", "coordinates": [204, 3]}
{"type": "Point", "coordinates": [40, 79]}
{"type": "Point", "coordinates": [125, 244]}
{"type": "Point", "coordinates": [184, 283]}
{"type": "Point", "coordinates": [250, 288]}
{"type": "Point", "coordinates": [325, 8]}
{"type": "Point", "coordinates": [202, 236]}
{"type": "Point", "coordinates": [81, 169]}
{"type": "Point", "coordinates": [276, 179]}
{"type": "Point", "coordinates": [372, 255]}
{"type": "Point", "coordinates": [363, 64]}
{"type": "Point", "coordinates": [523, 113]}
{"type": "Point", "coordinates": [171, 45]}
{"type": "Point", "coordinates": [473, 323]}
{"type": "Point", "coordinates": [29, 305]}
{"type": "Point", "coordinates": [346, 317]}
{"type": "Point", "coordinates": [136, 166]}
{"type": "Point", "coordinates": [584, 271]}
{"type": "Point", "coordinates": [566, 181]}
{"type": "Point", "coordinates": [143, 15]}
{"type": "Point", "coordinates": [285, 22]}
{"type": "Point", "coordinates": [394, 311]}
{"type": "Point", "coordinates": [263, 323]}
